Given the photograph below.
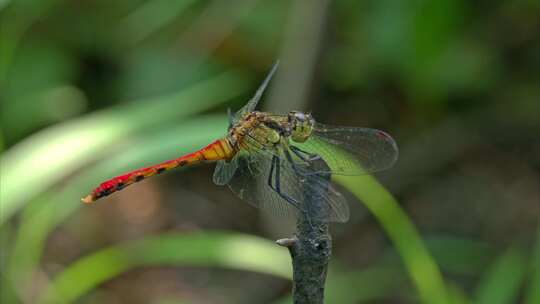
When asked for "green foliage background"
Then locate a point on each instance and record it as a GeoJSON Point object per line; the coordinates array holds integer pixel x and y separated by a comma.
{"type": "Point", "coordinates": [90, 89]}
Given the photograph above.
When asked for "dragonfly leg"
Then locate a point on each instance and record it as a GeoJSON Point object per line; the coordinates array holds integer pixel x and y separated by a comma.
{"type": "Point", "coordinates": [296, 168]}
{"type": "Point", "coordinates": [302, 154]}
{"type": "Point", "coordinates": [277, 188]}
{"type": "Point", "coordinates": [292, 201]}
{"type": "Point", "coordinates": [291, 161]}
{"type": "Point", "coordinates": [271, 173]}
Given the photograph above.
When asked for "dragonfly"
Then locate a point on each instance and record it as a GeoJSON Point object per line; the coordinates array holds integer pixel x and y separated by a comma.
{"type": "Point", "coordinates": [266, 159]}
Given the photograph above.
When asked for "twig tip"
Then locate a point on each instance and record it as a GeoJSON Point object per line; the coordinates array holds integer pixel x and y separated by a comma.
{"type": "Point", "coordinates": [288, 242]}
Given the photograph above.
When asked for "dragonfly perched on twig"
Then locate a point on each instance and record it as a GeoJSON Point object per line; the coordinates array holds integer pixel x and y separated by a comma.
{"type": "Point", "coordinates": [265, 159]}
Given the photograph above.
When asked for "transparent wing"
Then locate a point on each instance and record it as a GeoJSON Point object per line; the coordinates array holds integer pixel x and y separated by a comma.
{"type": "Point", "coordinates": [252, 103]}
{"type": "Point", "coordinates": [251, 182]}
{"type": "Point", "coordinates": [326, 203]}
{"type": "Point", "coordinates": [224, 171]}
{"type": "Point", "coordinates": [350, 150]}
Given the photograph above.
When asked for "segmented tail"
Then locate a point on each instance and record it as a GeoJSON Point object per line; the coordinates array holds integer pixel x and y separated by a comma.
{"type": "Point", "coordinates": [218, 150]}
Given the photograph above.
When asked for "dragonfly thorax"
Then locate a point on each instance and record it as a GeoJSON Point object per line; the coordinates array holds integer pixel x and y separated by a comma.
{"type": "Point", "coordinates": [247, 125]}
{"type": "Point", "coordinates": [301, 125]}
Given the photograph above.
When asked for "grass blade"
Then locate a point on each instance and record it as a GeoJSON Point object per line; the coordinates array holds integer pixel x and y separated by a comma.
{"type": "Point", "coordinates": [533, 293]}
{"type": "Point", "coordinates": [501, 283]}
{"type": "Point", "coordinates": [39, 219]}
{"type": "Point", "coordinates": [66, 146]}
{"type": "Point", "coordinates": [423, 270]}
{"type": "Point", "coordinates": [215, 249]}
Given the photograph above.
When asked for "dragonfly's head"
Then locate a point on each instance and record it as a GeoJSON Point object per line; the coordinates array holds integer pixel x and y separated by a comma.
{"type": "Point", "coordinates": [301, 125]}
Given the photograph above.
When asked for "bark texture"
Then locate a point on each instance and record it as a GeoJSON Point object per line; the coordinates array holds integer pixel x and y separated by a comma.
{"type": "Point", "coordinates": [311, 246]}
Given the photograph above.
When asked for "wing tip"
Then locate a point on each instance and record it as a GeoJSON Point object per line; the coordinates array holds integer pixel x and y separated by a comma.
{"type": "Point", "coordinates": [393, 147]}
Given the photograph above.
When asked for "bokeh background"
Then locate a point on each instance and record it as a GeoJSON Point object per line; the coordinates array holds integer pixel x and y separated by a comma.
{"type": "Point", "coordinates": [90, 89]}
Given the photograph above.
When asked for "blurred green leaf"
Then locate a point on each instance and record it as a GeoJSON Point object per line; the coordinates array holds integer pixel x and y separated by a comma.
{"type": "Point", "coordinates": [376, 282]}
{"type": "Point", "coordinates": [3, 4]}
{"type": "Point", "coordinates": [459, 256]}
{"type": "Point", "coordinates": [38, 91]}
{"type": "Point", "coordinates": [457, 294]}
{"type": "Point", "coordinates": [533, 293]}
{"type": "Point", "coordinates": [168, 300]}
{"type": "Point", "coordinates": [17, 17]}
{"type": "Point", "coordinates": [434, 24]}
{"type": "Point", "coordinates": [149, 17]}
{"type": "Point", "coordinates": [147, 72]}
{"type": "Point", "coordinates": [422, 268]}
{"type": "Point", "coordinates": [501, 283]}
{"type": "Point", "coordinates": [40, 218]}
{"type": "Point", "coordinates": [7, 288]}
{"type": "Point", "coordinates": [40, 65]}
{"type": "Point", "coordinates": [64, 147]}
{"type": "Point", "coordinates": [226, 250]}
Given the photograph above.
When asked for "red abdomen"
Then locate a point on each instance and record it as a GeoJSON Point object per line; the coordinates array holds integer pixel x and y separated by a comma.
{"type": "Point", "coordinates": [220, 149]}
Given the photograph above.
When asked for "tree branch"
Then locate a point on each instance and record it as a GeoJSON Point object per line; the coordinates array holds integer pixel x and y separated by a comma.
{"type": "Point", "coordinates": [311, 246]}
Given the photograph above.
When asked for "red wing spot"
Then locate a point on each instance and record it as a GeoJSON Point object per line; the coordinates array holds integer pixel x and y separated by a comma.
{"type": "Point", "coordinates": [382, 134]}
{"type": "Point", "coordinates": [182, 163]}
